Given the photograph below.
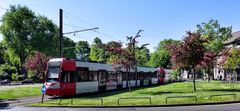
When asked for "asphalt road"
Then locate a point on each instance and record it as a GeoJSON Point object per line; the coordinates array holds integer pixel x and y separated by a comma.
{"type": "Point", "coordinates": [223, 107]}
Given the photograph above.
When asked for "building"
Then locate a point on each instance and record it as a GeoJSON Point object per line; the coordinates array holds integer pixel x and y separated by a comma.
{"type": "Point", "coordinates": [219, 72]}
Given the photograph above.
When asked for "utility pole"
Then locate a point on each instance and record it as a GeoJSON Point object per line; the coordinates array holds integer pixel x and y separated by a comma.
{"type": "Point", "coordinates": [61, 32]}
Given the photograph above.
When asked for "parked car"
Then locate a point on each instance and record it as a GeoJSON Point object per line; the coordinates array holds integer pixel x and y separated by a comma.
{"type": "Point", "coordinates": [27, 81]}
{"type": "Point", "coordinates": [5, 81]}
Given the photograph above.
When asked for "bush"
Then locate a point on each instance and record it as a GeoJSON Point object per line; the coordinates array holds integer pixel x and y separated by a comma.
{"type": "Point", "coordinates": [14, 77]}
{"type": "Point", "coordinates": [175, 74]}
{"type": "Point", "coordinates": [7, 68]}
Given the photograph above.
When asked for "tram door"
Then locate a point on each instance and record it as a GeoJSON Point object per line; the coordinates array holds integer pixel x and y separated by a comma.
{"type": "Point", "coordinates": [68, 85]}
{"type": "Point", "coordinates": [102, 79]}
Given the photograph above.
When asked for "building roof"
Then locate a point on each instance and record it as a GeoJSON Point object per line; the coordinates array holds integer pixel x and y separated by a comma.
{"type": "Point", "coordinates": [234, 39]}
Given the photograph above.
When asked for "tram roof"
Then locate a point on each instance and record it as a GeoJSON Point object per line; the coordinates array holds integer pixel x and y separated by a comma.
{"type": "Point", "coordinates": [102, 66]}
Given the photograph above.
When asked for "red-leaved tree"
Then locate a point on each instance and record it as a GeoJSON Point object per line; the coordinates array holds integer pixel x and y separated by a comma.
{"type": "Point", "coordinates": [124, 57]}
{"type": "Point", "coordinates": [189, 54]}
{"type": "Point", "coordinates": [38, 63]}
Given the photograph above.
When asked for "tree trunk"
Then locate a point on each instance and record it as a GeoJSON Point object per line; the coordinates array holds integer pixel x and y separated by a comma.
{"type": "Point", "coordinates": [194, 85]}
{"type": "Point", "coordinates": [208, 70]}
{"type": "Point", "coordinates": [129, 87]}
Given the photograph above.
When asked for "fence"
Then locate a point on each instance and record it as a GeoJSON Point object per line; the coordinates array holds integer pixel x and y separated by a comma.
{"type": "Point", "coordinates": [150, 99]}
{"type": "Point", "coordinates": [235, 97]}
{"type": "Point", "coordinates": [195, 98]}
{"type": "Point", "coordinates": [83, 99]}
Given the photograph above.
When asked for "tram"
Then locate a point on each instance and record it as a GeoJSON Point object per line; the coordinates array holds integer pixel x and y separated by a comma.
{"type": "Point", "coordinates": [66, 77]}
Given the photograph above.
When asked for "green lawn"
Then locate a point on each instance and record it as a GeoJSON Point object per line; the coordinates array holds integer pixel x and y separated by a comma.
{"type": "Point", "coordinates": [158, 95]}
{"type": "Point", "coordinates": [13, 92]}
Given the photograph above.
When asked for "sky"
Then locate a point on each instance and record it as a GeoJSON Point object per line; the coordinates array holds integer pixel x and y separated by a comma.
{"type": "Point", "coordinates": [116, 19]}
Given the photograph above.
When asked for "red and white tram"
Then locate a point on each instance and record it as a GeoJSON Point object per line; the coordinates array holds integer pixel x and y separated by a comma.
{"type": "Point", "coordinates": [68, 77]}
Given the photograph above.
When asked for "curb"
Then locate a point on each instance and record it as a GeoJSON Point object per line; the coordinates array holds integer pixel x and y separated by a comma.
{"type": "Point", "coordinates": [170, 105]}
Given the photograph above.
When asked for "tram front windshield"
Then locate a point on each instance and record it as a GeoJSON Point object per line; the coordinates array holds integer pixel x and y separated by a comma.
{"type": "Point", "coordinates": [53, 71]}
{"type": "Point", "coordinates": [53, 74]}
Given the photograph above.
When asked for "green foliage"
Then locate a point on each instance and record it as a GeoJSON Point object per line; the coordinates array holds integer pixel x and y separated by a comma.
{"type": "Point", "coordinates": [7, 68]}
{"type": "Point", "coordinates": [69, 48]}
{"type": "Point", "coordinates": [142, 56]}
{"type": "Point", "coordinates": [6, 71]}
{"type": "Point", "coordinates": [175, 73]}
{"type": "Point", "coordinates": [46, 33]}
{"type": "Point", "coordinates": [14, 77]}
{"type": "Point", "coordinates": [82, 50]}
{"type": "Point", "coordinates": [161, 57]}
{"type": "Point", "coordinates": [233, 60]}
{"type": "Point", "coordinates": [97, 53]}
{"type": "Point", "coordinates": [69, 52]}
{"type": "Point", "coordinates": [34, 75]}
{"type": "Point", "coordinates": [2, 53]}
{"type": "Point", "coordinates": [23, 32]}
{"type": "Point", "coordinates": [214, 34]}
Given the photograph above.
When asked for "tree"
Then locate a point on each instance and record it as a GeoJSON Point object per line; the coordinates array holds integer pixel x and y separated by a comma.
{"type": "Point", "coordinates": [125, 57]}
{"type": "Point", "coordinates": [142, 56]}
{"type": "Point", "coordinates": [161, 57]}
{"type": "Point", "coordinates": [82, 50]}
{"type": "Point", "coordinates": [215, 36]}
{"type": "Point", "coordinates": [188, 54]}
{"type": "Point", "coordinates": [23, 32]}
{"type": "Point", "coordinates": [6, 71]}
{"type": "Point", "coordinates": [233, 61]}
{"type": "Point", "coordinates": [97, 52]}
{"type": "Point", "coordinates": [38, 63]}
{"type": "Point", "coordinates": [45, 37]}
{"type": "Point", "coordinates": [2, 53]}
{"type": "Point", "coordinates": [69, 48]}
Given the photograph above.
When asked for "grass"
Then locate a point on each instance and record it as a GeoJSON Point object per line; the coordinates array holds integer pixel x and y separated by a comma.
{"type": "Point", "coordinates": [158, 95]}
{"type": "Point", "coordinates": [14, 92]}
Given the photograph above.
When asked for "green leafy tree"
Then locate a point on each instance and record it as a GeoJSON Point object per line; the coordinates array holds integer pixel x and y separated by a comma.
{"type": "Point", "coordinates": [233, 61]}
{"type": "Point", "coordinates": [69, 48]}
{"type": "Point", "coordinates": [7, 70]}
{"type": "Point", "coordinates": [142, 56]}
{"type": "Point", "coordinates": [97, 52]}
{"type": "Point", "coordinates": [82, 50]}
{"type": "Point", "coordinates": [215, 36]}
{"type": "Point", "coordinates": [45, 37]}
{"type": "Point", "coordinates": [23, 32]}
{"type": "Point", "coordinates": [161, 57]}
{"type": "Point", "coordinates": [2, 53]}
{"type": "Point", "coordinates": [175, 73]}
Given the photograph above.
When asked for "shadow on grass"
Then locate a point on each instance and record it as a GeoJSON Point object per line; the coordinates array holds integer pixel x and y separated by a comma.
{"type": "Point", "coordinates": [163, 92]}
{"type": "Point", "coordinates": [120, 91]}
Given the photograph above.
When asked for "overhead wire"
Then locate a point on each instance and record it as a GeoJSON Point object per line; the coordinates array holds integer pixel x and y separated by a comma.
{"type": "Point", "coordinates": [3, 8]}
{"type": "Point", "coordinates": [101, 33]}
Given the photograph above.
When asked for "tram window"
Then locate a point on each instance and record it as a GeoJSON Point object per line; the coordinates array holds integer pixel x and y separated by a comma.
{"type": "Point", "coordinates": [138, 75]}
{"type": "Point", "coordinates": [83, 76]}
{"type": "Point", "coordinates": [67, 76]}
{"type": "Point", "coordinates": [141, 75]}
{"type": "Point", "coordinates": [119, 77]}
{"type": "Point", "coordinates": [132, 76]}
{"type": "Point", "coordinates": [112, 76]}
{"type": "Point", "coordinates": [102, 76]}
{"type": "Point", "coordinates": [124, 78]}
{"type": "Point", "coordinates": [93, 76]}
{"type": "Point", "coordinates": [154, 74]}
